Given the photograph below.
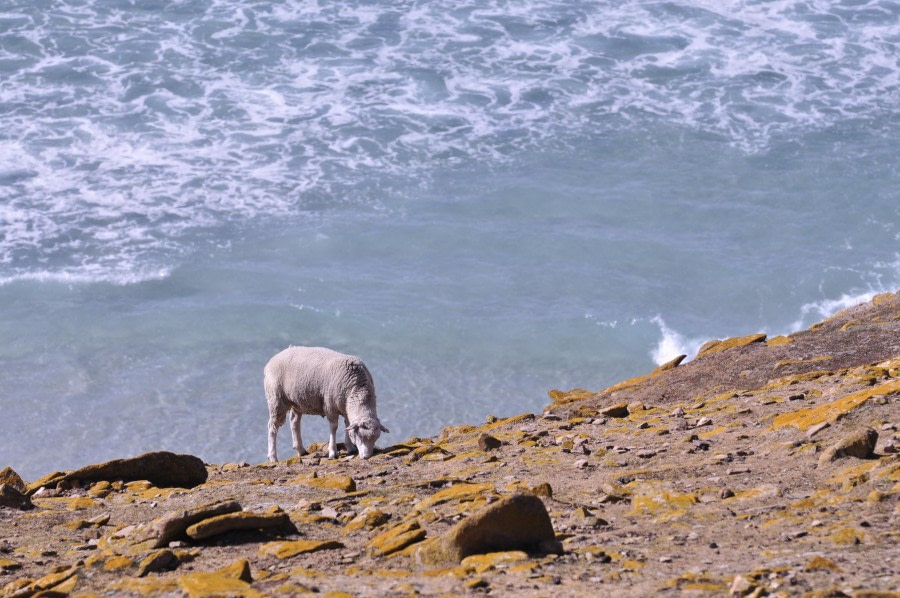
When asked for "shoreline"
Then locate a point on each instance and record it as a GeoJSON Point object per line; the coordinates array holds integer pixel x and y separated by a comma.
{"type": "Point", "coordinates": [725, 474]}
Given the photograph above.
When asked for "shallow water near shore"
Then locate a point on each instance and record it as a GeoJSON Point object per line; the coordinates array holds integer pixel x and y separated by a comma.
{"type": "Point", "coordinates": [484, 202]}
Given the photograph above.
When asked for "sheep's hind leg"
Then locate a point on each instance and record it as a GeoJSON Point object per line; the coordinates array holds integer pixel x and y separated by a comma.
{"type": "Point", "coordinates": [295, 433]}
{"type": "Point", "coordinates": [276, 419]}
{"type": "Point", "coordinates": [332, 440]}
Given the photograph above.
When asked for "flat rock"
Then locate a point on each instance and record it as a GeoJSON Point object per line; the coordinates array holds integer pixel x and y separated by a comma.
{"type": "Point", "coordinates": [159, 532]}
{"type": "Point", "coordinates": [518, 522]}
{"type": "Point", "coordinates": [288, 549]}
{"type": "Point", "coordinates": [860, 444]}
{"type": "Point", "coordinates": [397, 538]}
{"type": "Point", "coordinates": [242, 520]}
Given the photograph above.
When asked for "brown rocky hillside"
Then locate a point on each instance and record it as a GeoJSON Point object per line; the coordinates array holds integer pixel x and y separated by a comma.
{"type": "Point", "coordinates": [762, 467]}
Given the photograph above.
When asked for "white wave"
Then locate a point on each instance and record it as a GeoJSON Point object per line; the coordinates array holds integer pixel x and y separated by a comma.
{"type": "Point", "coordinates": [672, 343]}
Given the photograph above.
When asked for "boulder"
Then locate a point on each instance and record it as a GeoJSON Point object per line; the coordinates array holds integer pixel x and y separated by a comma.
{"type": "Point", "coordinates": [163, 469]}
{"type": "Point", "coordinates": [486, 442]}
{"type": "Point", "coordinates": [12, 497]}
{"type": "Point", "coordinates": [11, 478]}
{"type": "Point", "coordinates": [518, 522]}
{"type": "Point", "coordinates": [160, 560]}
{"type": "Point", "coordinates": [860, 444]}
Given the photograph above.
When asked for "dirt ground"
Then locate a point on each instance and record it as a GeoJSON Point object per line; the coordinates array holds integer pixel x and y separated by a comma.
{"type": "Point", "coordinates": [722, 475]}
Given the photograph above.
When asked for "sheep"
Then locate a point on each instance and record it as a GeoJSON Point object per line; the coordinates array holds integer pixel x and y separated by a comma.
{"type": "Point", "coordinates": [319, 381]}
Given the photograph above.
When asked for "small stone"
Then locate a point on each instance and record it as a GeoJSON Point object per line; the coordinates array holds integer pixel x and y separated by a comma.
{"type": "Point", "coordinates": [737, 470]}
{"type": "Point", "coordinates": [797, 397]}
{"type": "Point", "coordinates": [665, 559]}
{"type": "Point", "coordinates": [286, 550]}
{"type": "Point", "coordinates": [740, 586]}
{"type": "Point", "coordinates": [581, 463]}
{"type": "Point", "coordinates": [726, 493]}
{"type": "Point", "coordinates": [703, 421]}
{"type": "Point", "coordinates": [635, 407]}
{"type": "Point", "coordinates": [491, 419]}
{"type": "Point", "coordinates": [486, 442]}
{"type": "Point", "coordinates": [813, 430]}
{"type": "Point", "coordinates": [647, 454]}
{"type": "Point", "coordinates": [677, 413]}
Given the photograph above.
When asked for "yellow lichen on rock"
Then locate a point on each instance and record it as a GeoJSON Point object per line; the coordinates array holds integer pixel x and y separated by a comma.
{"type": "Point", "coordinates": [459, 492]}
{"type": "Point", "coordinates": [779, 341]}
{"type": "Point", "coordinates": [288, 549]}
{"type": "Point", "coordinates": [149, 586]}
{"type": "Point", "coordinates": [335, 482]}
{"type": "Point", "coordinates": [802, 419]}
{"type": "Point", "coordinates": [208, 585]}
{"type": "Point", "coordinates": [480, 563]}
{"type": "Point", "coordinates": [396, 538]}
{"type": "Point", "coordinates": [717, 346]}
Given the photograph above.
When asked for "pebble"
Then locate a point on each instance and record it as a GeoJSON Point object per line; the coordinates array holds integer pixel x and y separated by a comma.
{"type": "Point", "coordinates": [703, 421]}
{"type": "Point", "coordinates": [737, 470]}
{"type": "Point", "coordinates": [581, 464]}
{"type": "Point", "coordinates": [677, 413]}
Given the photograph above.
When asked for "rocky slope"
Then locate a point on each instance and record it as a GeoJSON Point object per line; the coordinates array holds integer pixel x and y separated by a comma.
{"type": "Point", "coordinates": [762, 467]}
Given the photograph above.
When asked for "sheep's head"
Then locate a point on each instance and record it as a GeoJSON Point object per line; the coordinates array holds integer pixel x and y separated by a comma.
{"type": "Point", "coordinates": [364, 433]}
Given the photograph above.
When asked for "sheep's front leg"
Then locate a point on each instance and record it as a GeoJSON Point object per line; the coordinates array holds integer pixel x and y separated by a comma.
{"type": "Point", "coordinates": [332, 440]}
{"type": "Point", "coordinates": [295, 433]}
{"type": "Point", "coordinates": [351, 448]}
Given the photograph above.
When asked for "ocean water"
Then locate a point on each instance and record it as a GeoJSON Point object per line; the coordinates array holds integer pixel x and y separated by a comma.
{"type": "Point", "coordinates": [484, 200]}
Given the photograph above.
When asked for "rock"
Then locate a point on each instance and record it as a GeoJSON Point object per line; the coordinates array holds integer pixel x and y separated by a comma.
{"type": "Point", "coordinates": [740, 586]}
{"type": "Point", "coordinates": [208, 585]}
{"type": "Point", "coordinates": [286, 550]}
{"type": "Point", "coordinates": [635, 407]}
{"type": "Point", "coordinates": [716, 346]}
{"type": "Point", "coordinates": [13, 498]}
{"type": "Point", "coordinates": [163, 469]}
{"type": "Point", "coordinates": [617, 410]}
{"type": "Point", "coordinates": [160, 560]}
{"type": "Point", "coordinates": [581, 464]}
{"type": "Point", "coordinates": [670, 365]}
{"type": "Point", "coordinates": [543, 489]}
{"type": "Point", "coordinates": [860, 444]}
{"type": "Point", "coordinates": [486, 442]}
{"type": "Point", "coordinates": [397, 538]}
{"type": "Point", "coordinates": [679, 412]}
{"type": "Point", "coordinates": [368, 519]}
{"type": "Point", "coordinates": [229, 522]}
{"type": "Point", "coordinates": [817, 428]}
{"type": "Point", "coordinates": [518, 522]}
{"type": "Point", "coordinates": [159, 532]}
{"type": "Point", "coordinates": [240, 569]}
{"type": "Point", "coordinates": [337, 482]}
{"type": "Point", "coordinates": [11, 478]}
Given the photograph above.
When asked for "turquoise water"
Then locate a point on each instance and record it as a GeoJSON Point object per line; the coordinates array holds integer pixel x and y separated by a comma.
{"type": "Point", "coordinates": [484, 201]}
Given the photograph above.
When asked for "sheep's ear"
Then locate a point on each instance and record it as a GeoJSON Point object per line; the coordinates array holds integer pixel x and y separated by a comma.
{"type": "Point", "coordinates": [383, 429]}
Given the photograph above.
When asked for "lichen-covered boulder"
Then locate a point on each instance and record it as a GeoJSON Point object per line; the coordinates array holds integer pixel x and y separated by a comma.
{"type": "Point", "coordinates": [860, 444]}
{"type": "Point", "coordinates": [518, 522]}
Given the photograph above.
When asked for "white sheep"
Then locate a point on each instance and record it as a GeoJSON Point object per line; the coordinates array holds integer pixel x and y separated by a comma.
{"type": "Point", "coordinates": [318, 381]}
